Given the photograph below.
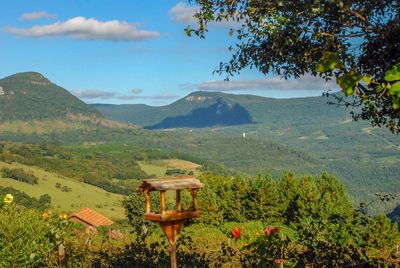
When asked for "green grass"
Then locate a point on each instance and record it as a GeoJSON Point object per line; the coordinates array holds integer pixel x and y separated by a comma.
{"type": "Point", "coordinates": [159, 167]}
{"type": "Point", "coordinates": [155, 167]}
{"type": "Point", "coordinates": [82, 195]}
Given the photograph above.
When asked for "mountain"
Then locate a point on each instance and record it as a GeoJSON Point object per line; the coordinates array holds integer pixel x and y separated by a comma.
{"type": "Point", "coordinates": [31, 96]}
{"type": "Point", "coordinates": [218, 114]}
{"type": "Point", "coordinates": [199, 109]}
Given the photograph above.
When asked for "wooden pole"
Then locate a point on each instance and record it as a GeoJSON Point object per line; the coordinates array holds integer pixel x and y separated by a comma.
{"type": "Point", "coordinates": [173, 255]}
{"type": "Point", "coordinates": [171, 231]}
{"type": "Point", "coordinates": [162, 202]}
{"type": "Point", "coordinates": [147, 199]}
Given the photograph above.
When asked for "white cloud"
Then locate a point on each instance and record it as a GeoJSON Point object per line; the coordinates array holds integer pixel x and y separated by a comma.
{"type": "Point", "coordinates": [137, 90]}
{"type": "Point", "coordinates": [37, 15]}
{"type": "Point", "coordinates": [87, 28]}
{"type": "Point", "coordinates": [155, 97]}
{"type": "Point", "coordinates": [93, 94]}
{"type": "Point", "coordinates": [303, 83]}
{"type": "Point", "coordinates": [134, 95]}
{"type": "Point", "coordinates": [183, 13]}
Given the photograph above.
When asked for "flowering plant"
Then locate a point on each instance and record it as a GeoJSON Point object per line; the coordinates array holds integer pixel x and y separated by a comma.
{"type": "Point", "coordinates": [8, 199]}
{"type": "Point", "coordinates": [236, 232]}
{"type": "Point", "coordinates": [276, 246]}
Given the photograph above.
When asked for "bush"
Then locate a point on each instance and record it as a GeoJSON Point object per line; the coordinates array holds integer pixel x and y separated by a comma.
{"type": "Point", "coordinates": [66, 189]}
{"type": "Point", "coordinates": [28, 238]}
{"type": "Point", "coordinates": [20, 175]}
{"type": "Point", "coordinates": [174, 171]}
{"type": "Point", "coordinates": [24, 200]}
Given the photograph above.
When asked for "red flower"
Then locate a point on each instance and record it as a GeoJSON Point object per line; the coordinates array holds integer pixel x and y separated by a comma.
{"type": "Point", "coordinates": [270, 231]}
{"type": "Point", "coordinates": [44, 215]}
{"type": "Point", "coordinates": [279, 261]}
{"type": "Point", "coordinates": [236, 232]}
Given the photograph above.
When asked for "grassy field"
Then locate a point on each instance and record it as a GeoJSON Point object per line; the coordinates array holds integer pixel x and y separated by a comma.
{"type": "Point", "coordinates": [158, 167]}
{"type": "Point", "coordinates": [81, 195]}
{"type": "Point", "coordinates": [182, 164]}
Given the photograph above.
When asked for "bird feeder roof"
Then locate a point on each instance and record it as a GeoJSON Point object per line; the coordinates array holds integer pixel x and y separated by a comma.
{"type": "Point", "coordinates": [170, 183]}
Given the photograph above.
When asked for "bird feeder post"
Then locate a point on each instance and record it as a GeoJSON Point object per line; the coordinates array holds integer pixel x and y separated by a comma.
{"type": "Point", "coordinates": [171, 220]}
{"type": "Point", "coordinates": [147, 200]}
{"type": "Point", "coordinates": [162, 202]}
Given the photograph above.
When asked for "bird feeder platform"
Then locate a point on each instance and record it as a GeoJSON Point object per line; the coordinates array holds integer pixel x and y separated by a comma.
{"type": "Point", "coordinates": [171, 220]}
{"type": "Point", "coordinates": [171, 183]}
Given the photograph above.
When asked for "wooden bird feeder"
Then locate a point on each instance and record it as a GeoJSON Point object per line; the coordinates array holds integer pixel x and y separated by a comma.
{"type": "Point", "coordinates": [171, 220]}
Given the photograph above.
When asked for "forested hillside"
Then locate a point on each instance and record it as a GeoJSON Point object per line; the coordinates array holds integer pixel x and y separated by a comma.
{"type": "Point", "coordinates": [283, 112]}
{"type": "Point", "coordinates": [31, 96]}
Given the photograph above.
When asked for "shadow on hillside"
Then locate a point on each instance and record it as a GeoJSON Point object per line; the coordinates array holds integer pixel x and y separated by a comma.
{"type": "Point", "coordinates": [218, 114]}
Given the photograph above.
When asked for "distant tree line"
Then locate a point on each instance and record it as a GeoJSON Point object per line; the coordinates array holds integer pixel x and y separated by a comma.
{"type": "Point", "coordinates": [19, 174]}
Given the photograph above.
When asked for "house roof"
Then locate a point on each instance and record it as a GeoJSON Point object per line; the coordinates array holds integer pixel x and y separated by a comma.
{"type": "Point", "coordinates": [91, 217]}
{"type": "Point", "coordinates": [170, 183]}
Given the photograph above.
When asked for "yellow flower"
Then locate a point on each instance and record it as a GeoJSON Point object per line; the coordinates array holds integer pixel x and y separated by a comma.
{"type": "Point", "coordinates": [8, 199]}
{"type": "Point", "coordinates": [63, 216]}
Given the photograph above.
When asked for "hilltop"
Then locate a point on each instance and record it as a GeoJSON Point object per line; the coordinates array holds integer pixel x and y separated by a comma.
{"type": "Point", "coordinates": [30, 103]}
{"type": "Point", "coordinates": [31, 96]}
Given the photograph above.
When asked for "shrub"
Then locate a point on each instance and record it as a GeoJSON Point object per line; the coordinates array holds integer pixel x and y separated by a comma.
{"type": "Point", "coordinates": [28, 238]}
{"type": "Point", "coordinates": [20, 175]}
{"type": "Point", "coordinates": [66, 189]}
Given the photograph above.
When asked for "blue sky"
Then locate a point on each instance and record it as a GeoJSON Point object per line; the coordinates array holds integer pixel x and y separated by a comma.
{"type": "Point", "coordinates": [127, 51]}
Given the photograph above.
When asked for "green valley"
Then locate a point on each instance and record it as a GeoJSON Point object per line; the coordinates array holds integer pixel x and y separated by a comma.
{"type": "Point", "coordinates": [304, 135]}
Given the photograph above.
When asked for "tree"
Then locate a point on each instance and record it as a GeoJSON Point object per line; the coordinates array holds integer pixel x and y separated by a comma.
{"type": "Point", "coordinates": [45, 200]}
{"type": "Point", "coordinates": [134, 211]}
{"type": "Point", "coordinates": [355, 42]}
{"type": "Point", "coordinates": [382, 239]}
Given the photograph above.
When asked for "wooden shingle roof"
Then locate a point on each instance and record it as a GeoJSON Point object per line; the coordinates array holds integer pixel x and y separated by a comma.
{"type": "Point", "coordinates": [170, 183]}
{"type": "Point", "coordinates": [91, 217]}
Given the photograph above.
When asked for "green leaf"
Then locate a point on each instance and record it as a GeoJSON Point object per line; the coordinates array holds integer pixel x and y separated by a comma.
{"type": "Point", "coordinates": [394, 91]}
{"type": "Point", "coordinates": [396, 103]}
{"type": "Point", "coordinates": [367, 79]}
{"type": "Point", "coordinates": [349, 81]}
{"type": "Point", "coordinates": [393, 74]}
{"type": "Point", "coordinates": [188, 31]}
{"type": "Point", "coordinates": [328, 62]}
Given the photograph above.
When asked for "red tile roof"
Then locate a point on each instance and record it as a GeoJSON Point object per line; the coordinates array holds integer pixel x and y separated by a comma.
{"type": "Point", "coordinates": [91, 217]}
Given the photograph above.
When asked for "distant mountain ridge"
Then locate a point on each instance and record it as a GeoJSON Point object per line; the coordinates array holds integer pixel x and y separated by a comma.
{"type": "Point", "coordinates": [253, 109]}
{"type": "Point", "coordinates": [31, 96]}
